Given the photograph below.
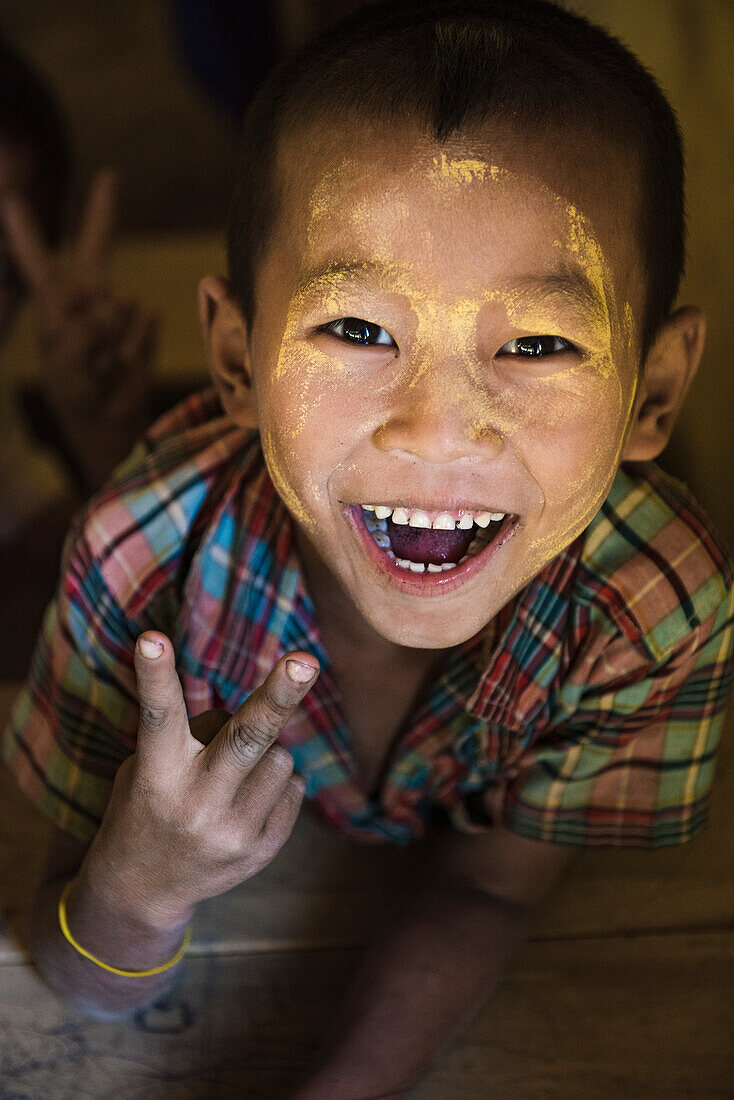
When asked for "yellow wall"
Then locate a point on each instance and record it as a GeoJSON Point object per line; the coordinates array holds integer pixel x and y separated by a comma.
{"type": "Point", "coordinates": [689, 46]}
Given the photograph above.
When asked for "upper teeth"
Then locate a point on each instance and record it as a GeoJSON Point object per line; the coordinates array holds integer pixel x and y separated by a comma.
{"type": "Point", "coordinates": [440, 521]}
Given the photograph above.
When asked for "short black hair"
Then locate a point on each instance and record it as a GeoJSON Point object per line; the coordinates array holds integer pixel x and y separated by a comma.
{"type": "Point", "coordinates": [30, 119]}
{"type": "Point", "coordinates": [448, 65]}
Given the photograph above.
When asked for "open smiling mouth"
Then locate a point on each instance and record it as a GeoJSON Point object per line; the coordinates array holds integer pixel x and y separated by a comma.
{"type": "Point", "coordinates": [431, 547]}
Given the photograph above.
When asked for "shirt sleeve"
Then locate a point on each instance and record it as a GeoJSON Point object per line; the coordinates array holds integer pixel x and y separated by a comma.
{"type": "Point", "coordinates": [628, 758]}
{"type": "Point", "coordinates": [75, 720]}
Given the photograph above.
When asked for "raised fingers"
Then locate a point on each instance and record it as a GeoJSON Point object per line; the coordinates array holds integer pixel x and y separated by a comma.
{"type": "Point", "coordinates": [163, 725]}
{"type": "Point", "coordinates": [29, 249]}
{"type": "Point", "coordinates": [254, 727]}
{"type": "Point", "coordinates": [263, 788]}
{"type": "Point", "coordinates": [95, 234]}
{"type": "Point", "coordinates": [279, 824]}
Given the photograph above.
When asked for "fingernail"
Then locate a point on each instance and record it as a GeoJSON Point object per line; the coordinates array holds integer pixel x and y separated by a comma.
{"type": "Point", "coordinates": [150, 649]}
{"type": "Point", "coordinates": [299, 672]}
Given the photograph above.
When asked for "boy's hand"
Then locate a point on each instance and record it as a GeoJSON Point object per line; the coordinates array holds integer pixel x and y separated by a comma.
{"type": "Point", "coordinates": [95, 348]}
{"type": "Point", "coordinates": [187, 822]}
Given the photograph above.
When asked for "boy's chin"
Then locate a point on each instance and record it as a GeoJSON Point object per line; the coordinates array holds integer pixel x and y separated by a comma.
{"type": "Point", "coordinates": [414, 635]}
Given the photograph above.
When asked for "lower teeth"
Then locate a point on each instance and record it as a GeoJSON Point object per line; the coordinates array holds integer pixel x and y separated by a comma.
{"type": "Point", "coordinates": [419, 567]}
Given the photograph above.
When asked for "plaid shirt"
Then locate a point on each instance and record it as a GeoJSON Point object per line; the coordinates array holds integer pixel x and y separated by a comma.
{"type": "Point", "coordinates": [587, 712]}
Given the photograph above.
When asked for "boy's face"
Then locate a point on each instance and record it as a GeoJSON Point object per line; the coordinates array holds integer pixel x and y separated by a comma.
{"type": "Point", "coordinates": [496, 374]}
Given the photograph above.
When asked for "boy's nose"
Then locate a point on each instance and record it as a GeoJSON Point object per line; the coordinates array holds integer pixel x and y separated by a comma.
{"type": "Point", "coordinates": [438, 431]}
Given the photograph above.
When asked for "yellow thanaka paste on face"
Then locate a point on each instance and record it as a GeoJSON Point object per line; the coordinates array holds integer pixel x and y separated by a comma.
{"type": "Point", "coordinates": [289, 496]}
{"type": "Point", "coordinates": [630, 329]}
{"type": "Point", "coordinates": [449, 328]}
{"type": "Point", "coordinates": [459, 172]}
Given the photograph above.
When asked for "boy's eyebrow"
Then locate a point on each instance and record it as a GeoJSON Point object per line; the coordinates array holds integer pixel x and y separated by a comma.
{"type": "Point", "coordinates": [338, 269]}
{"type": "Point", "coordinates": [566, 282]}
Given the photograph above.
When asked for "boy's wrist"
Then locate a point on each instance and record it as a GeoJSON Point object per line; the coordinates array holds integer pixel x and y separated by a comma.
{"type": "Point", "coordinates": [116, 933]}
{"type": "Point", "coordinates": [123, 898]}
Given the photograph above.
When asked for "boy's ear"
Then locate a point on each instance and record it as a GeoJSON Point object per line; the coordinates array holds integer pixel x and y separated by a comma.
{"type": "Point", "coordinates": [669, 370]}
{"type": "Point", "coordinates": [225, 336]}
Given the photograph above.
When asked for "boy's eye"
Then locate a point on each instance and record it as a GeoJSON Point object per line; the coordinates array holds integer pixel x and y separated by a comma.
{"type": "Point", "coordinates": [357, 331]}
{"type": "Point", "coordinates": [536, 346]}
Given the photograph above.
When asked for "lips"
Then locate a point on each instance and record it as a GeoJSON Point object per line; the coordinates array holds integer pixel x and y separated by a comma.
{"type": "Point", "coordinates": [446, 578]}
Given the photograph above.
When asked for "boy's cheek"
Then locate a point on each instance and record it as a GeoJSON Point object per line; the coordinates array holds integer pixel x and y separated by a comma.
{"type": "Point", "coordinates": [282, 463]}
{"type": "Point", "coordinates": [558, 441]}
{"type": "Point", "coordinates": [303, 444]}
{"type": "Point", "coordinates": [574, 450]}
{"type": "Point", "coordinates": [574, 473]}
{"type": "Point", "coordinates": [571, 445]}
{"type": "Point", "coordinates": [304, 383]}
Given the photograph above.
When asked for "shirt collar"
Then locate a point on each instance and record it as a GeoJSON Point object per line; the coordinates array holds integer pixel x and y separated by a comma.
{"type": "Point", "coordinates": [527, 633]}
{"type": "Point", "coordinates": [244, 600]}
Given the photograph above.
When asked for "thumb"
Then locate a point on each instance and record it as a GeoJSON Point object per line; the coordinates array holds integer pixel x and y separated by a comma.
{"type": "Point", "coordinates": [163, 718]}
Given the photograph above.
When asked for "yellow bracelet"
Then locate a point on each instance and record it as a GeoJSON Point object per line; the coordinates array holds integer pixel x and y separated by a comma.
{"type": "Point", "coordinates": [113, 969]}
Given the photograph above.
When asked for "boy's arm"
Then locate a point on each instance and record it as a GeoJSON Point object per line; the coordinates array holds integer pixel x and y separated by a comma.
{"type": "Point", "coordinates": [101, 928]}
{"type": "Point", "coordinates": [200, 806]}
{"type": "Point", "coordinates": [447, 949]}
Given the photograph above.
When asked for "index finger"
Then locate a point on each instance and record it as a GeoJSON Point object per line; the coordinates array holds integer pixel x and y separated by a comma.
{"type": "Point", "coordinates": [256, 724]}
{"type": "Point", "coordinates": [163, 725]}
{"type": "Point", "coordinates": [28, 248]}
{"type": "Point", "coordinates": [97, 225]}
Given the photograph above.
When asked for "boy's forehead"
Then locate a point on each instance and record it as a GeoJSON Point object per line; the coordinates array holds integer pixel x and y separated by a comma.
{"type": "Point", "coordinates": [386, 196]}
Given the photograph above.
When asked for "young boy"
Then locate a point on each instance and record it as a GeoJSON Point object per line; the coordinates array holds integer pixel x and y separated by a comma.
{"type": "Point", "coordinates": [443, 362]}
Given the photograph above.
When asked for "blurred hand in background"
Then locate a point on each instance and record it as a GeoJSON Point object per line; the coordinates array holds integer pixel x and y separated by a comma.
{"type": "Point", "coordinates": [95, 347]}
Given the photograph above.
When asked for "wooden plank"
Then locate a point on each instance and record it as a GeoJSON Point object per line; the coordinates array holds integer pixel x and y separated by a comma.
{"type": "Point", "coordinates": [644, 1017]}
{"type": "Point", "coordinates": [324, 891]}
{"type": "Point", "coordinates": [600, 1019]}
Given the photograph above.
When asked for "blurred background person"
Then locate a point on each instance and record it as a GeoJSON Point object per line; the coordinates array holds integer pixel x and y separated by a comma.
{"type": "Point", "coordinates": [68, 419]}
{"type": "Point", "coordinates": [61, 438]}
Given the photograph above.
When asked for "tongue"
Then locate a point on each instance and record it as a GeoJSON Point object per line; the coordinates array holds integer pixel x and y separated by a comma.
{"type": "Point", "coordinates": [426, 545]}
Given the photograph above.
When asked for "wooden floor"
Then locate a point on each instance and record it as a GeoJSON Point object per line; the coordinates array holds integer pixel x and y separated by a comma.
{"type": "Point", "coordinates": [624, 991]}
